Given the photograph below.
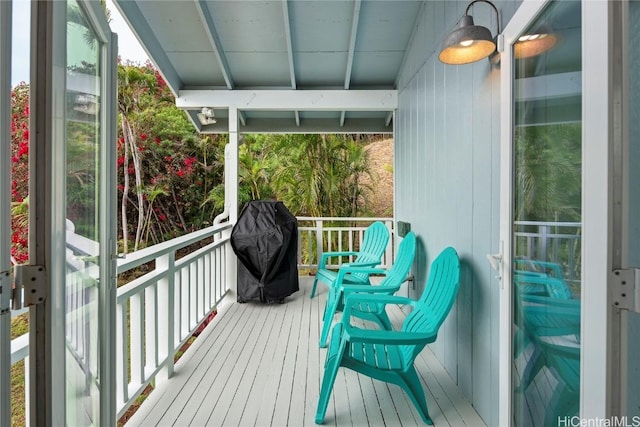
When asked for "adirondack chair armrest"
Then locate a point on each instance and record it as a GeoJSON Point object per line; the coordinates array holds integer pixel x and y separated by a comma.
{"type": "Point", "coordinates": [358, 298]}
{"type": "Point", "coordinates": [377, 336]}
{"type": "Point", "coordinates": [553, 302]}
{"type": "Point", "coordinates": [367, 289]}
{"type": "Point", "coordinates": [360, 268]}
{"type": "Point", "coordinates": [326, 255]}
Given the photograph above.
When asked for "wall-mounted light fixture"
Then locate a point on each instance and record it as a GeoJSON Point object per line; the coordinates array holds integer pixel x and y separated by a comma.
{"type": "Point", "coordinates": [468, 42]}
{"type": "Point", "coordinates": [207, 116]}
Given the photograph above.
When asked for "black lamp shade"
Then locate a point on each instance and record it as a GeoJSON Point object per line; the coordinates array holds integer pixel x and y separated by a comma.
{"type": "Point", "coordinates": [467, 43]}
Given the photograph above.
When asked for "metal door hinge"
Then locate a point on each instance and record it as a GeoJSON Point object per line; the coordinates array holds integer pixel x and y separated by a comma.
{"type": "Point", "coordinates": [626, 289]}
{"type": "Point", "coordinates": [5, 292]}
{"type": "Point", "coordinates": [33, 279]}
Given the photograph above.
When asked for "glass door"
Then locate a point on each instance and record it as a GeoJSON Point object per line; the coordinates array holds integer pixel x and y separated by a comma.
{"type": "Point", "coordinates": [88, 289]}
{"type": "Point", "coordinates": [544, 219]}
{"type": "Point", "coordinates": [83, 146]}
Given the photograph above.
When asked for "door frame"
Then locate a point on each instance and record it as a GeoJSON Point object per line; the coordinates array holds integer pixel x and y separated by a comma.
{"type": "Point", "coordinates": [47, 189]}
{"type": "Point", "coordinates": [596, 231]}
{"type": "Point", "coordinates": [6, 17]}
{"type": "Point", "coordinates": [597, 247]}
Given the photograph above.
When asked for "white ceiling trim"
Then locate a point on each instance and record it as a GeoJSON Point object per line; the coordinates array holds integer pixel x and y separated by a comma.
{"type": "Point", "coordinates": [311, 125]}
{"type": "Point", "coordinates": [287, 100]}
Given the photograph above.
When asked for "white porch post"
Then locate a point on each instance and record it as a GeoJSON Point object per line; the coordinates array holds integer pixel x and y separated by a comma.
{"type": "Point", "coordinates": [231, 194]}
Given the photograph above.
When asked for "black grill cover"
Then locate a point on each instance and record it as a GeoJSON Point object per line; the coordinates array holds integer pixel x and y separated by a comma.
{"type": "Point", "coordinates": [265, 240]}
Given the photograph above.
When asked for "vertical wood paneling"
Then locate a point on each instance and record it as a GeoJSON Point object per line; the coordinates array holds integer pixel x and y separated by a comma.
{"type": "Point", "coordinates": [465, 238]}
{"type": "Point", "coordinates": [447, 186]}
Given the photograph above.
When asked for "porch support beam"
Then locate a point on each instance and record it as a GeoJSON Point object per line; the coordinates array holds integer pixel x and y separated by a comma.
{"type": "Point", "coordinates": [214, 39]}
{"type": "Point", "coordinates": [311, 125]}
{"type": "Point", "coordinates": [287, 34]}
{"type": "Point", "coordinates": [289, 43]}
{"type": "Point", "coordinates": [231, 193]}
{"type": "Point", "coordinates": [131, 13]}
{"type": "Point", "coordinates": [287, 100]}
{"type": "Point", "coordinates": [352, 49]}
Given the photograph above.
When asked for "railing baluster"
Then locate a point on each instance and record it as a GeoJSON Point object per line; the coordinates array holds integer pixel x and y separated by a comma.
{"type": "Point", "coordinates": [136, 319]}
{"type": "Point", "coordinates": [166, 314]}
{"type": "Point", "coordinates": [122, 393]}
{"type": "Point", "coordinates": [351, 247]}
{"type": "Point", "coordinates": [194, 277]}
{"type": "Point", "coordinates": [188, 300]}
{"type": "Point", "coordinates": [208, 282]}
{"type": "Point", "coordinates": [151, 328]}
{"type": "Point", "coordinates": [319, 243]}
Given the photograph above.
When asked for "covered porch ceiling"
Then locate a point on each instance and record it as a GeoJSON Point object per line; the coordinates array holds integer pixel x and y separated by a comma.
{"type": "Point", "coordinates": [293, 66]}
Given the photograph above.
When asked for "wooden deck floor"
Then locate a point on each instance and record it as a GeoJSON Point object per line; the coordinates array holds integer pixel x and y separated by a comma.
{"type": "Point", "coordinates": [260, 365]}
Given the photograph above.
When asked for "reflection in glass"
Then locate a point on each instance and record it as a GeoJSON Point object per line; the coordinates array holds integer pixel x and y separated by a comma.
{"type": "Point", "coordinates": [547, 211]}
{"type": "Point", "coordinates": [83, 146]}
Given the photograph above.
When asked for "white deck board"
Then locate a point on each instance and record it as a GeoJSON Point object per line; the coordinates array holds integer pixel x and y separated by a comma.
{"type": "Point", "coordinates": [260, 365]}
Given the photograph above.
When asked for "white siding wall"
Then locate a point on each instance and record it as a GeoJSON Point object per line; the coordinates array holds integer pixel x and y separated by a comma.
{"type": "Point", "coordinates": [447, 186]}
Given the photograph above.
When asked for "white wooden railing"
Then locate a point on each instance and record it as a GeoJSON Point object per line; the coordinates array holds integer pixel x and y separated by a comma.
{"type": "Point", "coordinates": [157, 312]}
{"type": "Point", "coordinates": [558, 242]}
{"type": "Point", "coordinates": [326, 234]}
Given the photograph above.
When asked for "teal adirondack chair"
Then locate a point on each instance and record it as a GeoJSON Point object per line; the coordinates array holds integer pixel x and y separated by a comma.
{"type": "Point", "coordinates": [532, 285]}
{"type": "Point", "coordinates": [374, 243]}
{"type": "Point", "coordinates": [389, 355]}
{"type": "Point", "coordinates": [394, 277]}
{"type": "Point", "coordinates": [541, 278]}
{"type": "Point", "coordinates": [545, 319]}
{"type": "Point", "coordinates": [564, 363]}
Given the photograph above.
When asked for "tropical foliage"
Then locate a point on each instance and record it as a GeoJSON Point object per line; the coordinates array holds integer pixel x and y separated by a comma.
{"type": "Point", "coordinates": [19, 172]}
{"type": "Point", "coordinates": [548, 172]}
{"type": "Point", "coordinates": [314, 175]}
{"type": "Point", "coordinates": [165, 169]}
{"type": "Point", "coordinates": [170, 179]}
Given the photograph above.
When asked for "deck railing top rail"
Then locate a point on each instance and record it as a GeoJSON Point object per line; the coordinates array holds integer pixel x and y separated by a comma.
{"type": "Point", "coordinates": [142, 256]}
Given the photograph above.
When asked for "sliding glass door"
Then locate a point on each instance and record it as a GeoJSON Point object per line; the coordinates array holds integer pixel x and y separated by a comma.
{"type": "Point", "coordinates": [543, 215]}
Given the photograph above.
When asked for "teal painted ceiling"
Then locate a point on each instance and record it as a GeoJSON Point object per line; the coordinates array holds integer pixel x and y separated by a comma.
{"type": "Point", "coordinates": [282, 45]}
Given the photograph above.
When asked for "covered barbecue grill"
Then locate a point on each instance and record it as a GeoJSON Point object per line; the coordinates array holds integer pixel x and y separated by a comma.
{"type": "Point", "coordinates": [265, 241]}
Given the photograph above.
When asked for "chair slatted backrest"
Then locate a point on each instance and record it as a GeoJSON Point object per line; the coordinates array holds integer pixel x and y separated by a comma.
{"type": "Point", "coordinates": [436, 301]}
{"type": "Point", "coordinates": [373, 246]}
{"type": "Point", "coordinates": [404, 260]}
